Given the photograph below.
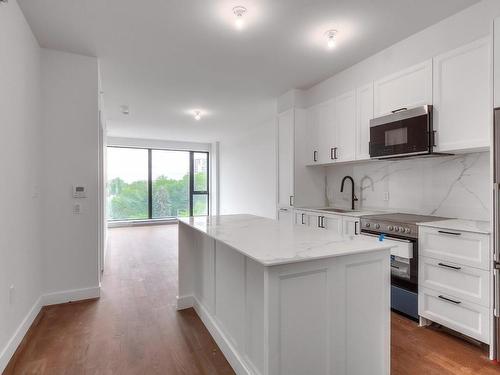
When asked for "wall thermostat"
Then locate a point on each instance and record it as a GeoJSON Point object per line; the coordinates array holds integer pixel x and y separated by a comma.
{"type": "Point", "coordinates": [79, 191]}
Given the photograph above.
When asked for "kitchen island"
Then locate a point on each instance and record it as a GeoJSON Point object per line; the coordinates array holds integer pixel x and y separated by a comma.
{"type": "Point", "coordinates": [284, 299]}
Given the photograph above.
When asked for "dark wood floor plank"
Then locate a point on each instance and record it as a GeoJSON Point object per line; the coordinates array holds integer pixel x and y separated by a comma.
{"type": "Point", "coordinates": [135, 329]}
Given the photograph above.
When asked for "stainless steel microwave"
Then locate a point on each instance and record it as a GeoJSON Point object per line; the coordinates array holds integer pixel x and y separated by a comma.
{"type": "Point", "coordinates": [405, 132]}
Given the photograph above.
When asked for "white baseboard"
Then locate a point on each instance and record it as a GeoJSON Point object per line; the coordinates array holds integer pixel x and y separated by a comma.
{"type": "Point", "coordinates": [185, 302]}
{"type": "Point", "coordinates": [44, 300]}
{"type": "Point", "coordinates": [9, 349]}
{"type": "Point", "coordinates": [71, 295]}
{"type": "Point", "coordinates": [230, 352]}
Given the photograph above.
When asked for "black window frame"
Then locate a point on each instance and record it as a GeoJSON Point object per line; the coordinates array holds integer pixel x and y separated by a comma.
{"type": "Point", "coordinates": [191, 192]}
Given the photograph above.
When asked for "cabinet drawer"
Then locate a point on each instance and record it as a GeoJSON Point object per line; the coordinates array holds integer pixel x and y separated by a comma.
{"type": "Point", "coordinates": [466, 283]}
{"type": "Point", "coordinates": [467, 318]}
{"type": "Point", "coordinates": [469, 249]}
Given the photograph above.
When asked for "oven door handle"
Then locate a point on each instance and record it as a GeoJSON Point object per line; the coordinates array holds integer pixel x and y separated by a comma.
{"type": "Point", "coordinates": [386, 237]}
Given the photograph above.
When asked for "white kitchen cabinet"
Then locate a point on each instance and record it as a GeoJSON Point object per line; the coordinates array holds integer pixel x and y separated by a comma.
{"type": "Point", "coordinates": [464, 282]}
{"type": "Point", "coordinates": [350, 225]}
{"type": "Point", "coordinates": [285, 214]}
{"type": "Point", "coordinates": [286, 158]}
{"type": "Point", "coordinates": [345, 127]}
{"type": "Point", "coordinates": [462, 97]}
{"type": "Point", "coordinates": [327, 132]}
{"type": "Point", "coordinates": [301, 218]}
{"type": "Point", "coordinates": [467, 248]}
{"type": "Point", "coordinates": [496, 61]}
{"type": "Point", "coordinates": [407, 88]}
{"type": "Point", "coordinates": [454, 280]}
{"type": "Point", "coordinates": [364, 113]}
{"type": "Point", "coordinates": [468, 318]}
{"type": "Point", "coordinates": [312, 135]}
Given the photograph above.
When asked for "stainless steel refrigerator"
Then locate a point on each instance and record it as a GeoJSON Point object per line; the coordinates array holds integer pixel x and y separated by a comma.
{"type": "Point", "coordinates": [496, 230]}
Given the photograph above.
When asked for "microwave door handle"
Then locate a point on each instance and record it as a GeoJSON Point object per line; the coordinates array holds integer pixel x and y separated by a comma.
{"type": "Point", "coordinates": [399, 110]}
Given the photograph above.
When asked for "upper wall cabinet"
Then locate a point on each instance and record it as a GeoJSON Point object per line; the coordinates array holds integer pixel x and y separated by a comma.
{"type": "Point", "coordinates": [408, 88]}
{"type": "Point", "coordinates": [462, 97]}
{"type": "Point", "coordinates": [364, 113]}
{"type": "Point", "coordinates": [285, 158]}
{"type": "Point", "coordinates": [496, 60]}
{"type": "Point", "coordinates": [345, 126]}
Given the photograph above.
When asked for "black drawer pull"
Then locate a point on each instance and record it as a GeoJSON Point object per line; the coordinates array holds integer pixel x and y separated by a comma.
{"type": "Point", "coordinates": [315, 155]}
{"type": "Point", "coordinates": [303, 218]}
{"type": "Point", "coordinates": [448, 266]}
{"type": "Point", "coordinates": [452, 233]}
{"type": "Point", "coordinates": [450, 300]}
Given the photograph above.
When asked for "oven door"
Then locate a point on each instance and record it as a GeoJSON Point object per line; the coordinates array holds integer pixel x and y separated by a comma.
{"type": "Point", "coordinates": [402, 248]}
{"type": "Point", "coordinates": [404, 133]}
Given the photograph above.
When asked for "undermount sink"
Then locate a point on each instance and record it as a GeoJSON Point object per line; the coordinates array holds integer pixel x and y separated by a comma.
{"type": "Point", "coordinates": [339, 210]}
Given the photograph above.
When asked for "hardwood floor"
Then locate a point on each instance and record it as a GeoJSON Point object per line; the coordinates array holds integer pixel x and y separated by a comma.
{"type": "Point", "coordinates": [135, 329]}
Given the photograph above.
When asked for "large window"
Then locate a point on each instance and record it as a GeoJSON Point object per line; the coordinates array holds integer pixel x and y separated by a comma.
{"type": "Point", "coordinates": [155, 184]}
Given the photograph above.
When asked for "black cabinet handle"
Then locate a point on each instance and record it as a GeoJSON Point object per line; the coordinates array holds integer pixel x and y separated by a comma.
{"type": "Point", "coordinates": [450, 300]}
{"type": "Point", "coordinates": [446, 232]}
{"type": "Point", "coordinates": [399, 110]}
{"type": "Point", "coordinates": [331, 153]}
{"type": "Point", "coordinates": [335, 153]}
{"type": "Point", "coordinates": [303, 218]}
{"type": "Point", "coordinates": [448, 266]}
{"type": "Point", "coordinates": [322, 222]}
{"type": "Point", "coordinates": [356, 228]}
{"type": "Point", "coordinates": [315, 155]}
{"type": "Point", "coordinates": [319, 221]}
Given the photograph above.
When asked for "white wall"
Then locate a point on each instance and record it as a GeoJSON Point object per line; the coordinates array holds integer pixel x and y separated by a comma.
{"type": "Point", "coordinates": [70, 156]}
{"type": "Point", "coordinates": [20, 245]}
{"type": "Point", "coordinates": [247, 168]}
{"type": "Point", "coordinates": [464, 27]}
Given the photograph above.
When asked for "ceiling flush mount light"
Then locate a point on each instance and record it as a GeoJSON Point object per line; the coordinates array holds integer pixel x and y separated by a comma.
{"type": "Point", "coordinates": [239, 12]}
{"type": "Point", "coordinates": [124, 109]}
{"type": "Point", "coordinates": [197, 115]}
{"type": "Point", "coordinates": [331, 38]}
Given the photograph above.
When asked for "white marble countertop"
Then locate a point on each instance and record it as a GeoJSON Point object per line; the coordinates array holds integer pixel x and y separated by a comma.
{"type": "Point", "coordinates": [476, 226]}
{"type": "Point", "coordinates": [347, 213]}
{"type": "Point", "coordinates": [271, 242]}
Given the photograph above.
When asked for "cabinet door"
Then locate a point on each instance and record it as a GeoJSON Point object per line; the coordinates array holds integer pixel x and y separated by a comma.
{"type": "Point", "coordinates": [462, 110]}
{"type": "Point", "coordinates": [285, 214]}
{"type": "Point", "coordinates": [496, 60]}
{"type": "Point", "coordinates": [408, 88]}
{"type": "Point", "coordinates": [312, 137]}
{"type": "Point", "coordinates": [301, 218]}
{"type": "Point", "coordinates": [364, 113]}
{"type": "Point", "coordinates": [285, 158]}
{"type": "Point", "coordinates": [326, 132]}
{"type": "Point", "coordinates": [332, 223]}
{"type": "Point", "coordinates": [350, 226]}
{"type": "Point", "coordinates": [345, 126]}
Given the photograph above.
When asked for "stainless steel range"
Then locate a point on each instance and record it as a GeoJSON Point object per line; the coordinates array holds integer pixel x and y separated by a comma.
{"type": "Point", "coordinates": [400, 230]}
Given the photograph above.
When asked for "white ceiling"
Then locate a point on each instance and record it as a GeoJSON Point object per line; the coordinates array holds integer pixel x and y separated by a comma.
{"type": "Point", "coordinates": [164, 58]}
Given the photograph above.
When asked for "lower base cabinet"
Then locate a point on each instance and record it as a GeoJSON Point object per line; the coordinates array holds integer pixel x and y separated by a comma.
{"type": "Point", "coordinates": [454, 281]}
{"type": "Point", "coordinates": [465, 317]}
{"type": "Point", "coordinates": [340, 224]}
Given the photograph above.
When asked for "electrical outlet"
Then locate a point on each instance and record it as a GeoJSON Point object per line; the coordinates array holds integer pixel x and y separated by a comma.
{"type": "Point", "coordinates": [77, 209]}
{"type": "Point", "coordinates": [11, 294]}
{"type": "Point", "coordinates": [386, 195]}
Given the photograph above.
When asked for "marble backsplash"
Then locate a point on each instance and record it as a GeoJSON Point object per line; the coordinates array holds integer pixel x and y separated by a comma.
{"type": "Point", "coordinates": [452, 186]}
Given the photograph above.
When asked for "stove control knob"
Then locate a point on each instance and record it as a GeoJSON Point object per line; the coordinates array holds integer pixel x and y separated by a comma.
{"type": "Point", "coordinates": [396, 229]}
{"type": "Point", "coordinates": [391, 227]}
{"type": "Point", "coordinates": [367, 225]}
{"type": "Point", "coordinates": [401, 229]}
{"type": "Point", "coordinates": [377, 226]}
{"type": "Point", "coordinates": [407, 230]}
